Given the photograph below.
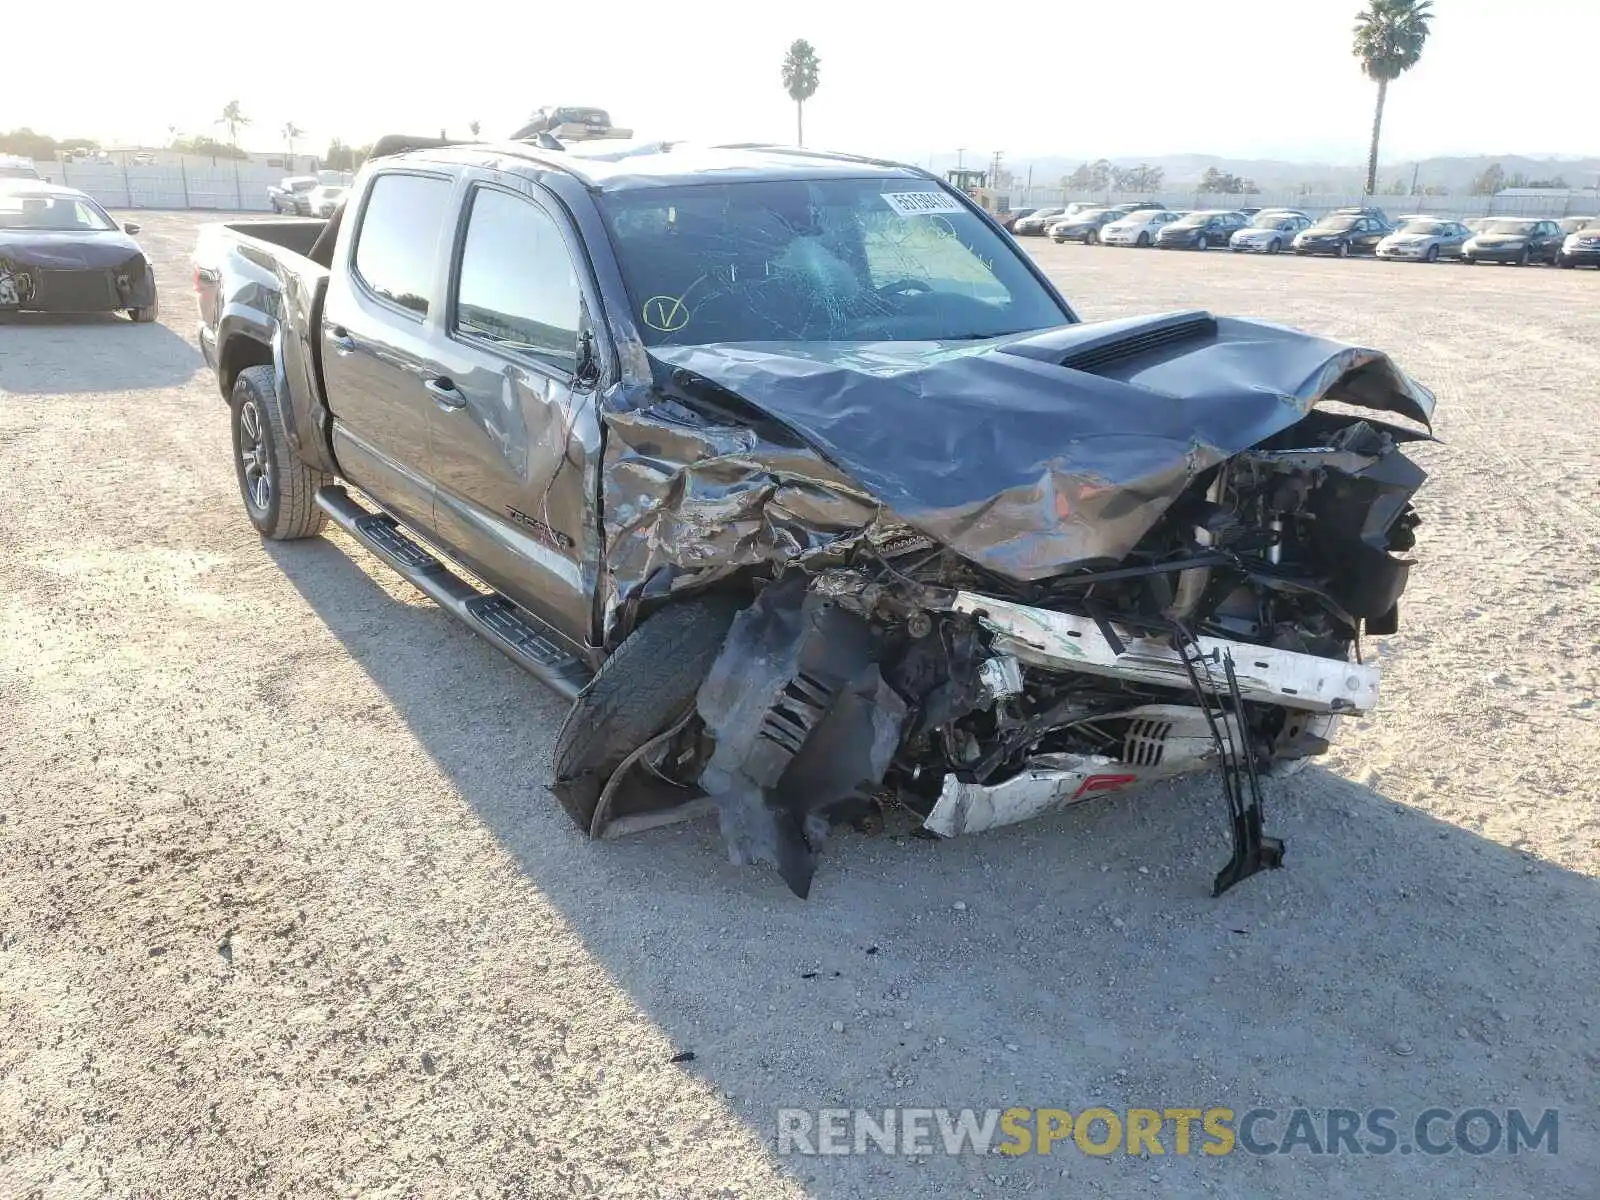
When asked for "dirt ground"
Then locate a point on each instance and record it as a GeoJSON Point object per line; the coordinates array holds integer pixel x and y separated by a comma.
{"type": "Point", "coordinates": [286, 911]}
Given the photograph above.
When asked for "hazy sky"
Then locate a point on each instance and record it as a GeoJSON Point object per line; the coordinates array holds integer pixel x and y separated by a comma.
{"type": "Point", "coordinates": [1272, 78]}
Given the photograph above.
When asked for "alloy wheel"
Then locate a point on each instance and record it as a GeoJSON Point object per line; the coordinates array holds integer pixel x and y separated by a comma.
{"type": "Point", "coordinates": [255, 468]}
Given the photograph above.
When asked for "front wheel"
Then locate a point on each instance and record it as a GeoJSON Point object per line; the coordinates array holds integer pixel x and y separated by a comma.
{"type": "Point", "coordinates": [640, 692]}
{"type": "Point", "coordinates": [1276, 247]}
{"type": "Point", "coordinates": [1092, 238]}
{"type": "Point", "coordinates": [279, 491]}
{"type": "Point", "coordinates": [147, 314]}
{"type": "Point", "coordinates": [1202, 244]}
{"type": "Point", "coordinates": [1565, 263]}
{"type": "Point", "coordinates": [1344, 249]}
{"type": "Point", "coordinates": [1144, 241]}
{"type": "Point", "coordinates": [1432, 255]}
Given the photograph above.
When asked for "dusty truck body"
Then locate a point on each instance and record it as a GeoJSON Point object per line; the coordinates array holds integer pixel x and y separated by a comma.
{"type": "Point", "coordinates": [800, 479]}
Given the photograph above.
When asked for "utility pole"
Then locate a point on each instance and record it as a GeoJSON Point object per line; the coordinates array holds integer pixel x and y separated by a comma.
{"type": "Point", "coordinates": [960, 152]}
{"type": "Point", "coordinates": [1416, 169]}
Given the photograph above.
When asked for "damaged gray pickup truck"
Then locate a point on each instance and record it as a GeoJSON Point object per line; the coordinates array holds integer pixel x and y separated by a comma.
{"type": "Point", "coordinates": [795, 473]}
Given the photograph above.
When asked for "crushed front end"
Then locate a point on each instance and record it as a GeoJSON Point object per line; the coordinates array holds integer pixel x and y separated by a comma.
{"type": "Point", "coordinates": [900, 658]}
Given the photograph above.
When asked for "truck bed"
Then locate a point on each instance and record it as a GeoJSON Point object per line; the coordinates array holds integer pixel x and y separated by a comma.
{"type": "Point", "coordinates": [270, 283]}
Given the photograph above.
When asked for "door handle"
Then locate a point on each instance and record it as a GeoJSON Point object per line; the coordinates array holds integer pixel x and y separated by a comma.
{"type": "Point", "coordinates": [342, 341]}
{"type": "Point", "coordinates": [444, 392]}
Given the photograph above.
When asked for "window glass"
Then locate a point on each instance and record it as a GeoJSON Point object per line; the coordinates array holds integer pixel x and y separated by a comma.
{"type": "Point", "coordinates": [877, 259]}
{"type": "Point", "coordinates": [518, 287]}
{"type": "Point", "coordinates": [398, 243]}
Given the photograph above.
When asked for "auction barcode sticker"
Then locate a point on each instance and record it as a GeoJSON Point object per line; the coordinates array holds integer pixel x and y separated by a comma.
{"type": "Point", "coordinates": [915, 204]}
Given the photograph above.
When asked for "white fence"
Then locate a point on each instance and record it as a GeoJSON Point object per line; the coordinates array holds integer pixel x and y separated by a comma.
{"type": "Point", "coordinates": [1563, 205]}
{"type": "Point", "coordinates": [233, 186]}
{"type": "Point", "coordinates": [243, 187]}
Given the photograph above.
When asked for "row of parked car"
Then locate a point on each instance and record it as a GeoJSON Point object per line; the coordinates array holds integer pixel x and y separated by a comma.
{"type": "Point", "coordinates": [308, 195]}
{"type": "Point", "coordinates": [1419, 237]}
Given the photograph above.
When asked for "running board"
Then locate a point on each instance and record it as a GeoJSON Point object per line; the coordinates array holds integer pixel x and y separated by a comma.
{"type": "Point", "coordinates": [515, 632]}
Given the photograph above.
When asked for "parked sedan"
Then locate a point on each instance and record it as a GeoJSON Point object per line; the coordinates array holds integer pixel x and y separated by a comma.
{"type": "Point", "coordinates": [321, 201]}
{"type": "Point", "coordinates": [1582, 247]}
{"type": "Point", "coordinates": [1201, 230]}
{"type": "Point", "coordinates": [1342, 234]}
{"type": "Point", "coordinates": [1008, 220]}
{"type": "Point", "coordinates": [1425, 239]}
{"type": "Point", "coordinates": [1035, 224]}
{"type": "Point", "coordinates": [1270, 232]}
{"type": "Point", "coordinates": [60, 252]}
{"type": "Point", "coordinates": [1518, 240]}
{"type": "Point", "coordinates": [1085, 227]}
{"type": "Point", "coordinates": [1571, 225]}
{"type": "Point", "coordinates": [288, 195]}
{"type": "Point", "coordinates": [1137, 228]}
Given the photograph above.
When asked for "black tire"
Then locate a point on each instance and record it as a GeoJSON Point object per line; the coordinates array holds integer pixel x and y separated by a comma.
{"type": "Point", "coordinates": [1344, 249]}
{"type": "Point", "coordinates": [639, 691]}
{"type": "Point", "coordinates": [1275, 247]}
{"type": "Point", "coordinates": [1433, 254]}
{"type": "Point", "coordinates": [288, 508]}
{"type": "Point", "coordinates": [148, 314]}
{"type": "Point", "coordinates": [1524, 258]}
{"type": "Point", "coordinates": [1144, 241]}
{"type": "Point", "coordinates": [1565, 263]}
{"type": "Point", "coordinates": [1092, 238]}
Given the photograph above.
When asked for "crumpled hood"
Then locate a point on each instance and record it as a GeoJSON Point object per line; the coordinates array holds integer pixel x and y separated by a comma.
{"type": "Point", "coordinates": [68, 250]}
{"type": "Point", "coordinates": [1027, 466]}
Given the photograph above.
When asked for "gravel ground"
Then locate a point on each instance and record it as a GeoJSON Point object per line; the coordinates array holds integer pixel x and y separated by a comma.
{"type": "Point", "coordinates": [286, 910]}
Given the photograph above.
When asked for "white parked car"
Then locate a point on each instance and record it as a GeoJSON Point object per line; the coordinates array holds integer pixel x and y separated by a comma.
{"type": "Point", "coordinates": [323, 200]}
{"type": "Point", "coordinates": [1137, 228]}
{"type": "Point", "coordinates": [1270, 231]}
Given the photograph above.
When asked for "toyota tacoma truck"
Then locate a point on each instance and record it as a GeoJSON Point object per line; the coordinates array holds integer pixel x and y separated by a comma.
{"type": "Point", "coordinates": [803, 483]}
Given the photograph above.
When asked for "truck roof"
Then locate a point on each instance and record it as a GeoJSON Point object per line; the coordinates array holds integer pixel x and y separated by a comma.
{"type": "Point", "coordinates": [613, 167]}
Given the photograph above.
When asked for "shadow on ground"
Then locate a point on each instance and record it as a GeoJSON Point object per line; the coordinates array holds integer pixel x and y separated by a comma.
{"type": "Point", "coordinates": [53, 354]}
{"type": "Point", "coordinates": [1398, 961]}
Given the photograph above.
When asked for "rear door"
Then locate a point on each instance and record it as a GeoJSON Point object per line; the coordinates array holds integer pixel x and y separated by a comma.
{"type": "Point", "coordinates": [385, 299]}
{"type": "Point", "coordinates": [516, 453]}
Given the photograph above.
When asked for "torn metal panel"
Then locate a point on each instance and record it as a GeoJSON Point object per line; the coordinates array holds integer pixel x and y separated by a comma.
{"type": "Point", "coordinates": [1059, 466]}
{"type": "Point", "coordinates": [689, 498]}
{"type": "Point", "coordinates": [1066, 642]}
{"type": "Point", "coordinates": [1158, 742]}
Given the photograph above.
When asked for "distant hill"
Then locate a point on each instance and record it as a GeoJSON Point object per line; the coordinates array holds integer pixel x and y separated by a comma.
{"type": "Point", "coordinates": [1454, 174]}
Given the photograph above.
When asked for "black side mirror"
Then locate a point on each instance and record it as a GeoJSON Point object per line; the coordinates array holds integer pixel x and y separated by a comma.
{"type": "Point", "coordinates": [131, 227]}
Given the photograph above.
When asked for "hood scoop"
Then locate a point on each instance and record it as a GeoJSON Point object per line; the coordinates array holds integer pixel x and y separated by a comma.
{"type": "Point", "coordinates": [1093, 347]}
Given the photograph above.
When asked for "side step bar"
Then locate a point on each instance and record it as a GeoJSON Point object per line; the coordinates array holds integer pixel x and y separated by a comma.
{"type": "Point", "coordinates": [515, 632]}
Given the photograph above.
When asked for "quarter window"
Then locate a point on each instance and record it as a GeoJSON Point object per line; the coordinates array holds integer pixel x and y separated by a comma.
{"type": "Point", "coordinates": [518, 287]}
{"type": "Point", "coordinates": [398, 244]}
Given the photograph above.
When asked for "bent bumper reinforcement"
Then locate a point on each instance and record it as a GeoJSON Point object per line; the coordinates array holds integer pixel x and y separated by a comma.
{"type": "Point", "coordinates": [1065, 642]}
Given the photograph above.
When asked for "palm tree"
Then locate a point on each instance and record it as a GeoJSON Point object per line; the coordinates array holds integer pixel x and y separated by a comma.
{"type": "Point", "coordinates": [233, 117]}
{"type": "Point", "coordinates": [1388, 41]}
{"type": "Point", "coordinates": [290, 132]}
{"type": "Point", "coordinates": [800, 67]}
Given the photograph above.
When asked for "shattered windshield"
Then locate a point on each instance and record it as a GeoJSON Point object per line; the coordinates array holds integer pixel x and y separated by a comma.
{"type": "Point", "coordinates": [818, 260]}
{"type": "Point", "coordinates": [57, 213]}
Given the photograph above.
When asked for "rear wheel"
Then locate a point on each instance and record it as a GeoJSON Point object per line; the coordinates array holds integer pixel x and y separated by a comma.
{"type": "Point", "coordinates": [641, 691]}
{"type": "Point", "coordinates": [279, 490]}
{"type": "Point", "coordinates": [1092, 238]}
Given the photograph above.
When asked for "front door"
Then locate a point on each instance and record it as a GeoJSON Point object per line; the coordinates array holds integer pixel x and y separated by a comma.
{"type": "Point", "coordinates": [516, 454]}
{"type": "Point", "coordinates": [377, 341]}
